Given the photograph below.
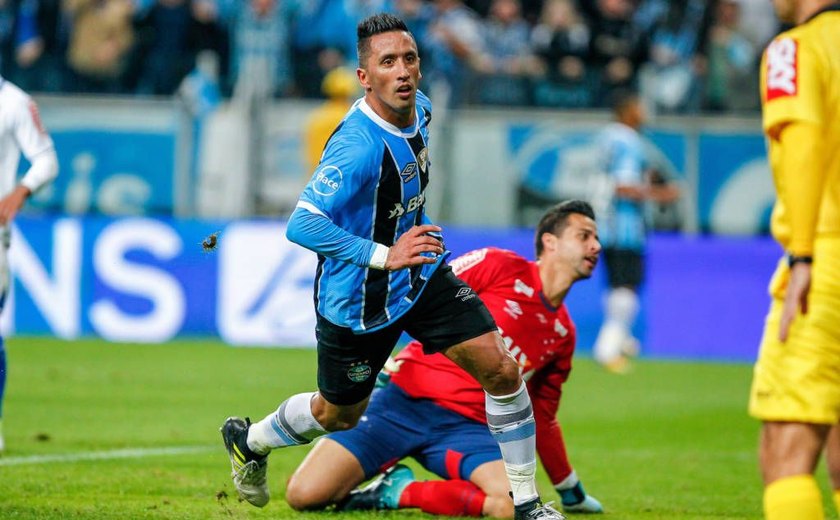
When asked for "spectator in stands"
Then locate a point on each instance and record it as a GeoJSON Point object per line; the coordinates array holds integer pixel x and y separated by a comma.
{"type": "Point", "coordinates": [561, 40]}
{"type": "Point", "coordinates": [454, 42]}
{"type": "Point", "coordinates": [417, 15]}
{"type": "Point", "coordinates": [506, 48]}
{"type": "Point", "coordinates": [758, 21]}
{"type": "Point", "coordinates": [260, 37]}
{"type": "Point", "coordinates": [171, 32]}
{"type": "Point", "coordinates": [323, 37]}
{"type": "Point", "coordinates": [101, 38]}
{"type": "Point", "coordinates": [732, 79]}
{"type": "Point", "coordinates": [669, 77]}
{"type": "Point", "coordinates": [618, 46]}
{"type": "Point", "coordinates": [506, 56]}
{"type": "Point", "coordinates": [34, 43]}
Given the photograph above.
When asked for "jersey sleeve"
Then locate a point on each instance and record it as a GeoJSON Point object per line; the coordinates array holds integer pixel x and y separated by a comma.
{"type": "Point", "coordinates": [347, 167]}
{"type": "Point", "coordinates": [28, 129]}
{"type": "Point", "coordinates": [480, 269]}
{"type": "Point", "coordinates": [35, 144]}
{"type": "Point", "coordinates": [346, 170]}
{"type": "Point", "coordinates": [317, 233]}
{"type": "Point", "coordinates": [791, 86]}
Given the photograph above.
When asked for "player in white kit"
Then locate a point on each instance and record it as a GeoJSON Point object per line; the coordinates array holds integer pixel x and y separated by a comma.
{"type": "Point", "coordinates": [20, 131]}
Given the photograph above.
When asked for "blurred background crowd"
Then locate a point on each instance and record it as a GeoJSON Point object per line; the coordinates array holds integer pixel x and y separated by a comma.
{"type": "Point", "coordinates": [686, 56]}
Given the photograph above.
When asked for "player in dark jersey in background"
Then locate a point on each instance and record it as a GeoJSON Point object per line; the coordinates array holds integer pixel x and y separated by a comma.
{"type": "Point", "coordinates": [434, 411]}
{"type": "Point", "coordinates": [381, 272]}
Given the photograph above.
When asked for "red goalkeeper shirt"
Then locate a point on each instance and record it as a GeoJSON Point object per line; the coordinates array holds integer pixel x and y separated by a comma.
{"type": "Point", "coordinates": [540, 337]}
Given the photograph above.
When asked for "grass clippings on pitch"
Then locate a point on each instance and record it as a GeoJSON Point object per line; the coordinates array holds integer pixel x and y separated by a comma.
{"type": "Point", "coordinates": [99, 430]}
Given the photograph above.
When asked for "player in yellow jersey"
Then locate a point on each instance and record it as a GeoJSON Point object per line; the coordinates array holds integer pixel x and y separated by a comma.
{"type": "Point", "coordinates": [796, 384]}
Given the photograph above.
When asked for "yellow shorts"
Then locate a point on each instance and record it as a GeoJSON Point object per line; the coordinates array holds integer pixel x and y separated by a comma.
{"type": "Point", "coordinates": [799, 380]}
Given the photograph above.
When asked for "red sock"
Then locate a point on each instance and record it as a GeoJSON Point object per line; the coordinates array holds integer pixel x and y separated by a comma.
{"type": "Point", "coordinates": [444, 497]}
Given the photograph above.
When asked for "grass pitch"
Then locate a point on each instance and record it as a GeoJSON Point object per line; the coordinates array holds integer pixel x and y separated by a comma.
{"type": "Point", "coordinates": [98, 430]}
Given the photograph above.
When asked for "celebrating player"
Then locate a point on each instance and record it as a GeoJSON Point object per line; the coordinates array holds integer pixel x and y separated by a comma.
{"type": "Point", "coordinates": [381, 272]}
{"type": "Point", "coordinates": [434, 411]}
{"type": "Point", "coordinates": [796, 384]}
{"type": "Point", "coordinates": [20, 131]}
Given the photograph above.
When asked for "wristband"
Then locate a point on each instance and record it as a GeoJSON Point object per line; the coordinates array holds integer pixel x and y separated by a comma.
{"type": "Point", "coordinates": [796, 259]}
{"type": "Point", "coordinates": [380, 255]}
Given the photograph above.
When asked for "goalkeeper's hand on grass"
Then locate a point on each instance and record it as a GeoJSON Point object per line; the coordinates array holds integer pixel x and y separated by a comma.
{"type": "Point", "coordinates": [391, 367]}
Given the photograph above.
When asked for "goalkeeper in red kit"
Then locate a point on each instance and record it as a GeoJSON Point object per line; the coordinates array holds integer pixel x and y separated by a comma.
{"type": "Point", "coordinates": [433, 411]}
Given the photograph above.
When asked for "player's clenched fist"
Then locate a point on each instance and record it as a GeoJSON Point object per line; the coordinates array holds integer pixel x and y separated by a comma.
{"type": "Point", "coordinates": [406, 251]}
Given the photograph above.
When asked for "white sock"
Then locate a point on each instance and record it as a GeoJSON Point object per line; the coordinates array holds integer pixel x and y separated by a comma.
{"type": "Point", "coordinates": [511, 422]}
{"type": "Point", "coordinates": [620, 309]}
{"type": "Point", "coordinates": [568, 482]}
{"type": "Point", "coordinates": [290, 425]}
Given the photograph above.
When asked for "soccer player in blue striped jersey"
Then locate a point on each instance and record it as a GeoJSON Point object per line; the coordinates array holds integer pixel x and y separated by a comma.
{"type": "Point", "coordinates": [382, 272]}
{"type": "Point", "coordinates": [623, 226]}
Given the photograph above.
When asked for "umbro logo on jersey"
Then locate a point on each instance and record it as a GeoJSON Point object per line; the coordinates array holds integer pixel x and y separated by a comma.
{"type": "Point", "coordinates": [520, 287]}
{"type": "Point", "coordinates": [781, 68]}
{"type": "Point", "coordinates": [409, 172]}
{"type": "Point", "coordinates": [465, 293]}
{"type": "Point", "coordinates": [513, 309]}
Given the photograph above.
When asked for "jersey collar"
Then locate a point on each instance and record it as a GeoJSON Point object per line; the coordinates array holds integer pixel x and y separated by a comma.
{"type": "Point", "coordinates": [537, 281]}
{"type": "Point", "coordinates": [385, 125]}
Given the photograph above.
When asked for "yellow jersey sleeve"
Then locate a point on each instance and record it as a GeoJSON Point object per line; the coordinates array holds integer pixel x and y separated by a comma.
{"type": "Point", "coordinates": [791, 84]}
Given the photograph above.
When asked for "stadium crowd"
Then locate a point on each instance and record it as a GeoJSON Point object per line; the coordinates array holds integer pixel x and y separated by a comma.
{"type": "Point", "coordinates": [685, 55]}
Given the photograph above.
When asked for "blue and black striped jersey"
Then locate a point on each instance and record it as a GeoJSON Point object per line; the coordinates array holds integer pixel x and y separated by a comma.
{"type": "Point", "coordinates": [622, 225]}
{"type": "Point", "coordinates": [370, 187]}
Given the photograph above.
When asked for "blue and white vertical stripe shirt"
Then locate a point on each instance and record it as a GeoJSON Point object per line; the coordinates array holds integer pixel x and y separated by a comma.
{"type": "Point", "coordinates": [622, 151]}
{"type": "Point", "coordinates": [367, 191]}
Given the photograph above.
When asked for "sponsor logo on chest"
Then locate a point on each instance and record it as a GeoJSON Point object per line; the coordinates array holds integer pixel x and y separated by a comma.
{"type": "Point", "coordinates": [413, 204]}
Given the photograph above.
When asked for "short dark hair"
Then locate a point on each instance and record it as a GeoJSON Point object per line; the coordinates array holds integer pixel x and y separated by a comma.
{"type": "Point", "coordinates": [376, 24]}
{"type": "Point", "coordinates": [621, 98]}
{"type": "Point", "coordinates": [554, 220]}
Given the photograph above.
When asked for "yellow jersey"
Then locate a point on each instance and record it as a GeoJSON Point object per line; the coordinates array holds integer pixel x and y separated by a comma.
{"type": "Point", "coordinates": [319, 127]}
{"type": "Point", "coordinates": [800, 82]}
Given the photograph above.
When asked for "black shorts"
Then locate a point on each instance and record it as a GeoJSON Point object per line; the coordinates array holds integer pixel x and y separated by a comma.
{"type": "Point", "coordinates": [625, 267]}
{"type": "Point", "coordinates": [448, 312]}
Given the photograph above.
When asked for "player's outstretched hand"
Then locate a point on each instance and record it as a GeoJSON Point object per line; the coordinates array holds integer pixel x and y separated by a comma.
{"type": "Point", "coordinates": [406, 250]}
{"type": "Point", "coordinates": [796, 297]}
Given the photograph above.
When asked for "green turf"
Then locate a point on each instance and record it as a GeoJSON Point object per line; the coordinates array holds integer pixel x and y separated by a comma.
{"type": "Point", "coordinates": [668, 441]}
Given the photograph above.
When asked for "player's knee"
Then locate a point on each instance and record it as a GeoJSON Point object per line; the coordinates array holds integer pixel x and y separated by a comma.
{"type": "Point", "coordinates": [339, 422]}
{"type": "Point", "coordinates": [305, 495]}
{"type": "Point", "coordinates": [336, 418]}
{"type": "Point", "coordinates": [498, 506]}
{"type": "Point", "coordinates": [504, 378]}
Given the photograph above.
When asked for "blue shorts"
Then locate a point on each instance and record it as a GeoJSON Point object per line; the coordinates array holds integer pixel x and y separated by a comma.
{"type": "Point", "coordinates": [396, 426]}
